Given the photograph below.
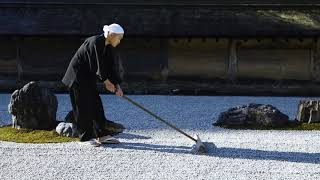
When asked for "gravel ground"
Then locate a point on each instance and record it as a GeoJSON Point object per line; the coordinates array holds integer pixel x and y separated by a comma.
{"type": "Point", "coordinates": [150, 150]}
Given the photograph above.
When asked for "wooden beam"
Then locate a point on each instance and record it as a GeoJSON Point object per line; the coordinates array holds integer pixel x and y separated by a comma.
{"type": "Point", "coordinates": [233, 60]}
{"type": "Point", "coordinates": [166, 2]}
{"type": "Point", "coordinates": [315, 61]}
{"type": "Point", "coordinates": [18, 58]}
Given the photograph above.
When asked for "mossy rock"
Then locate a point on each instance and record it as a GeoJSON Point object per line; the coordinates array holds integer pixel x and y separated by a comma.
{"type": "Point", "coordinates": [7, 133]}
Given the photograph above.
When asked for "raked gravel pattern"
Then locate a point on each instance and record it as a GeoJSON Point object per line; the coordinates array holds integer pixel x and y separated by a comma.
{"type": "Point", "coordinates": [150, 150]}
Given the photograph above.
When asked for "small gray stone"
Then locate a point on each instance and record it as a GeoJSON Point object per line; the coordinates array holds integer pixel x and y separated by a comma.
{"type": "Point", "coordinates": [67, 129]}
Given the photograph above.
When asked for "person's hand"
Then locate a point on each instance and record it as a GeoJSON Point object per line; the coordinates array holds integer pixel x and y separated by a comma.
{"type": "Point", "coordinates": [109, 86]}
{"type": "Point", "coordinates": [119, 91]}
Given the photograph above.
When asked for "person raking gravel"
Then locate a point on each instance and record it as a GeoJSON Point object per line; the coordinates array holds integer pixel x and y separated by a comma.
{"type": "Point", "coordinates": [95, 59]}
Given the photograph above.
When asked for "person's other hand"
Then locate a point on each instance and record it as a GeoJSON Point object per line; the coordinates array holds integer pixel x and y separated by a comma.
{"type": "Point", "coordinates": [119, 91]}
{"type": "Point", "coordinates": [109, 86]}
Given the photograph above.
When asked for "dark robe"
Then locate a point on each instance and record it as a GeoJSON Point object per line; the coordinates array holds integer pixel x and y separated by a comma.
{"type": "Point", "coordinates": [92, 61]}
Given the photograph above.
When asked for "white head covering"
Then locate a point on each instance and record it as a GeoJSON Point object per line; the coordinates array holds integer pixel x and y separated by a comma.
{"type": "Point", "coordinates": [113, 28]}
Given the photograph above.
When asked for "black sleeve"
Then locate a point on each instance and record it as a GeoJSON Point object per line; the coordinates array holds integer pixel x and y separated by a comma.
{"type": "Point", "coordinates": [114, 74]}
{"type": "Point", "coordinates": [102, 69]}
{"type": "Point", "coordinates": [98, 63]}
{"type": "Point", "coordinates": [104, 62]}
{"type": "Point", "coordinates": [102, 66]}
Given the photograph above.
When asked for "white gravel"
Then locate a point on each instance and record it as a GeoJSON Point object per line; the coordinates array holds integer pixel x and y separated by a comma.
{"type": "Point", "coordinates": [150, 150]}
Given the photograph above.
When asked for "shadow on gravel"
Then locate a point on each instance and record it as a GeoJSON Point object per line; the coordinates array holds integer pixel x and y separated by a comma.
{"type": "Point", "coordinates": [298, 157]}
{"type": "Point", "coordinates": [234, 153]}
{"type": "Point", "coordinates": [131, 136]}
{"type": "Point", "coordinates": [150, 147]}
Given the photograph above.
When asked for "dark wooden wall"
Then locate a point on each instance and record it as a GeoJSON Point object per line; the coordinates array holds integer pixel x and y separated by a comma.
{"type": "Point", "coordinates": [41, 58]}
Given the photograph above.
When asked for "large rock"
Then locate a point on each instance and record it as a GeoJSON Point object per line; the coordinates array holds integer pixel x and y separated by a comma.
{"type": "Point", "coordinates": [33, 107]}
{"type": "Point", "coordinates": [309, 111]}
{"type": "Point", "coordinates": [251, 116]}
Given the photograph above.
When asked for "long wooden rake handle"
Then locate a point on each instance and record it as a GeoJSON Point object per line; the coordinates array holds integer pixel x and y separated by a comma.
{"type": "Point", "coordinates": [159, 118]}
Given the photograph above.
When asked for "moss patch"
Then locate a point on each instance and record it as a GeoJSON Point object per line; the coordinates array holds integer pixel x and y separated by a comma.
{"type": "Point", "coordinates": [300, 127]}
{"type": "Point", "coordinates": [7, 133]}
{"type": "Point", "coordinates": [305, 18]}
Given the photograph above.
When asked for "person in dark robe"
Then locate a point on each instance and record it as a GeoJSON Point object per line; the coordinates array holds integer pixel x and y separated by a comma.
{"type": "Point", "coordinates": [95, 59]}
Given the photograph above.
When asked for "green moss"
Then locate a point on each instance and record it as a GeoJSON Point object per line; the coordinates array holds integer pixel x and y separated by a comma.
{"type": "Point", "coordinates": [7, 133]}
{"type": "Point", "coordinates": [296, 17]}
{"type": "Point", "coordinates": [300, 127]}
{"type": "Point", "coordinates": [306, 126]}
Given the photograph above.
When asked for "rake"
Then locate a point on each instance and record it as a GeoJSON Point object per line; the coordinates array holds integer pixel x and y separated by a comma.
{"type": "Point", "coordinates": [199, 146]}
